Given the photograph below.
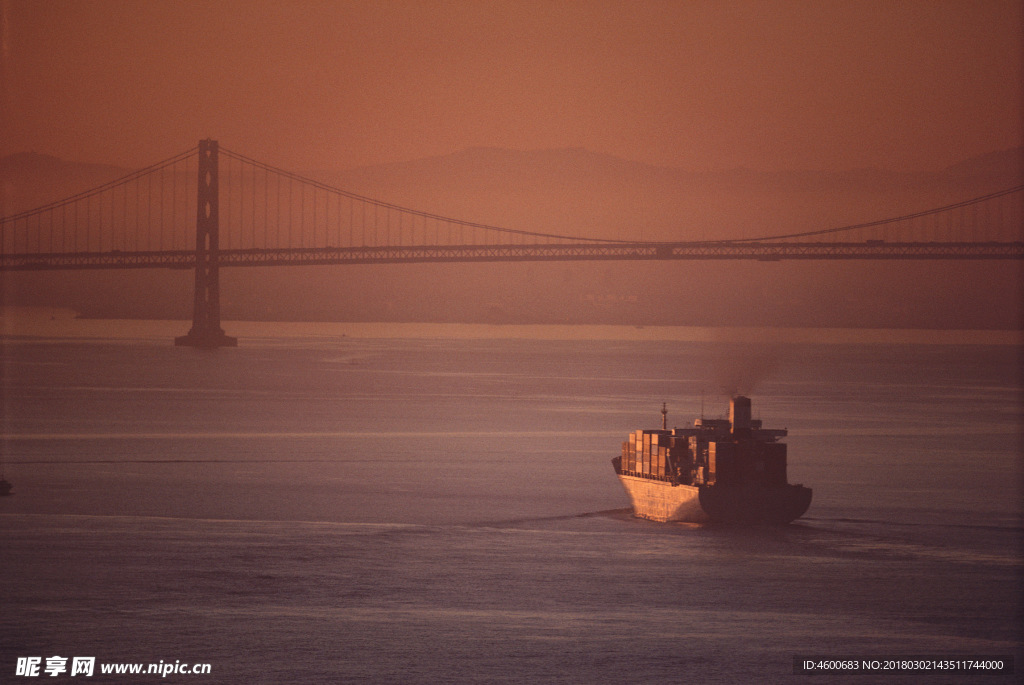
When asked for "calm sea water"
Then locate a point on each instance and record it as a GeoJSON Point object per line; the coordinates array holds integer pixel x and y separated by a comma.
{"type": "Point", "coordinates": [412, 510]}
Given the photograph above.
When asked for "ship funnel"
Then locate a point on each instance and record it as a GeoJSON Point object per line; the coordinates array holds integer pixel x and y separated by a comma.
{"type": "Point", "coordinates": [739, 414]}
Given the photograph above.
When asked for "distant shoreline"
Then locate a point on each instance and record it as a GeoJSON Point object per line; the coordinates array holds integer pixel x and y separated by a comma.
{"type": "Point", "coordinates": [28, 323]}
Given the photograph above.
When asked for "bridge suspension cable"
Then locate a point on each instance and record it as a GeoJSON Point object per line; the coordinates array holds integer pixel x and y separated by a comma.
{"type": "Point", "coordinates": [283, 173]}
{"type": "Point", "coordinates": [883, 222]}
{"type": "Point", "coordinates": [92, 192]}
{"type": "Point", "coordinates": [147, 209]}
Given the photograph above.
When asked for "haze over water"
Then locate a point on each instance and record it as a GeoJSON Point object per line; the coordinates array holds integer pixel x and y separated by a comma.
{"type": "Point", "coordinates": [425, 509]}
{"type": "Point", "coordinates": [384, 503]}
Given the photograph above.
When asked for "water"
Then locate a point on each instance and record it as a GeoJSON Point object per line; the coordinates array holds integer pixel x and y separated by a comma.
{"type": "Point", "coordinates": [394, 510]}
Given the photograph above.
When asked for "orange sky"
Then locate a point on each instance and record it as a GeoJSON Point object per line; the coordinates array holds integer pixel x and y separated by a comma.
{"type": "Point", "coordinates": [331, 85]}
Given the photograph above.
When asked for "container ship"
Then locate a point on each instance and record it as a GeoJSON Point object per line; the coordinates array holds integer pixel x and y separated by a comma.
{"type": "Point", "coordinates": [721, 470]}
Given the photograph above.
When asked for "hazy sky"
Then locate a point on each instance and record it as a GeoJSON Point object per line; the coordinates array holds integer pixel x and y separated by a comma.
{"type": "Point", "coordinates": [698, 84]}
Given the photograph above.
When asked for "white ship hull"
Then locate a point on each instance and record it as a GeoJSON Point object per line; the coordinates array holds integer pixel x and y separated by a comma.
{"type": "Point", "coordinates": [661, 501]}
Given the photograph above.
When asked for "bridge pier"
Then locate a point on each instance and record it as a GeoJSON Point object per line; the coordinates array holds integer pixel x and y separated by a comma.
{"type": "Point", "coordinates": [206, 332]}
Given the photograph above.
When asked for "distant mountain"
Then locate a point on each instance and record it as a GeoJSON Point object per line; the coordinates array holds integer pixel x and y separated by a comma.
{"type": "Point", "coordinates": [29, 180]}
{"type": "Point", "coordinates": [34, 163]}
{"type": "Point", "coordinates": [549, 187]}
{"type": "Point", "coordinates": [996, 165]}
{"type": "Point", "coordinates": [579, 192]}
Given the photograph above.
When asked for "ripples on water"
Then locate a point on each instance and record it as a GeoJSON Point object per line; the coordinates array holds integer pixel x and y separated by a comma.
{"type": "Point", "coordinates": [445, 511]}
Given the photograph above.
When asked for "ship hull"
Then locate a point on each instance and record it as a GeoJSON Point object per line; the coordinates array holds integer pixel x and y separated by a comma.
{"type": "Point", "coordinates": [660, 500]}
{"type": "Point", "coordinates": [755, 504]}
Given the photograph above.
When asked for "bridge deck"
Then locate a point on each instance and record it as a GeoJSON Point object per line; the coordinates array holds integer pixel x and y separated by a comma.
{"type": "Point", "coordinates": [763, 251]}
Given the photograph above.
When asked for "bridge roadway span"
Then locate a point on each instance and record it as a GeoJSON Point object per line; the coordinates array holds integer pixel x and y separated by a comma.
{"type": "Point", "coordinates": [761, 251]}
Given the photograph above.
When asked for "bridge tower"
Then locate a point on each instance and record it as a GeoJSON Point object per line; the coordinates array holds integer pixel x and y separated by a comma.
{"type": "Point", "coordinates": [206, 331]}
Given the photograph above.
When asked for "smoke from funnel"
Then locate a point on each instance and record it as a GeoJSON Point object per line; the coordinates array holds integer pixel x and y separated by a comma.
{"type": "Point", "coordinates": [739, 370]}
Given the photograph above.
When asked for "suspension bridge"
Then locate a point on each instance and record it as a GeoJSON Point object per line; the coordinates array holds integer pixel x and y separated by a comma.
{"type": "Point", "coordinates": [191, 211]}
